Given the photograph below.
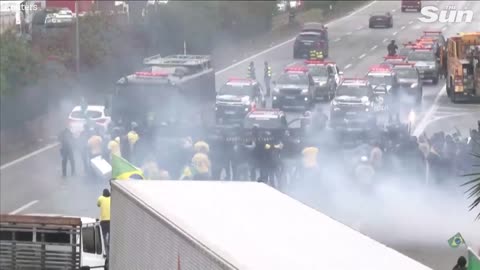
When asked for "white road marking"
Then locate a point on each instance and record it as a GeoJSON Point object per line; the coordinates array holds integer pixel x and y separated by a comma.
{"type": "Point", "coordinates": [362, 56]}
{"type": "Point", "coordinates": [426, 118]}
{"type": "Point", "coordinates": [216, 73]}
{"type": "Point", "coordinates": [349, 33]}
{"type": "Point", "coordinates": [395, 33]}
{"type": "Point", "coordinates": [290, 40]}
{"type": "Point", "coordinates": [336, 40]}
{"type": "Point", "coordinates": [34, 153]}
{"type": "Point", "coordinates": [23, 207]}
{"type": "Point", "coordinates": [403, 27]}
{"type": "Point", "coordinates": [373, 48]}
{"type": "Point", "coordinates": [347, 66]}
{"type": "Point", "coordinates": [385, 39]}
{"type": "Point", "coordinates": [410, 22]}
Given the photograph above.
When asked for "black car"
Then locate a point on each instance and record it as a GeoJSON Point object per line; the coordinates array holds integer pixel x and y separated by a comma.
{"type": "Point", "coordinates": [325, 75]}
{"type": "Point", "coordinates": [381, 19]}
{"type": "Point", "coordinates": [236, 99]}
{"type": "Point", "coordinates": [311, 38]}
{"type": "Point", "coordinates": [293, 89]}
{"type": "Point", "coordinates": [410, 83]}
{"type": "Point", "coordinates": [353, 108]}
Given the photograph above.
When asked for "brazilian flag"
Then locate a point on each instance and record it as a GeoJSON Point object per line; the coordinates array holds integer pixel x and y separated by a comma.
{"type": "Point", "coordinates": [456, 241]}
{"type": "Point", "coordinates": [473, 260]}
{"type": "Point", "coordinates": [124, 170]}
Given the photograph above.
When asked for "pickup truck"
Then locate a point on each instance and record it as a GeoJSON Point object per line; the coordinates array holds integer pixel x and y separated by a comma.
{"type": "Point", "coordinates": [51, 242]}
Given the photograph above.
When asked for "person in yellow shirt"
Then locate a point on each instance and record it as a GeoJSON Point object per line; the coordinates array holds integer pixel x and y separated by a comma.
{"type": "Point", "coordinates": [95, 145]}
{"type": "Point", "coordinates": [114, 147]}
{"type": "Point", "coordinates": [104, 203]}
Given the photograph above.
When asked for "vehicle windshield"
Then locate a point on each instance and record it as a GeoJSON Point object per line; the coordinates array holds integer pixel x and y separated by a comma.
{"type": "Point", "coordinates": [404, 51]}
{"type": "Point", "coordinates": [378, 79]}
{"type": "Point", "coordinates": [293, 78]}
{"type": "Point", "coordinates": [421, 56]}
{"type": "Point", "coordinates": [406, 73]}
{"type": "Point", "coordinates": [263, 122]}
{"type": "Point", "coordinates": [236, 90]}
{"type": "Point", "coordinates": [379, 14]}
{"type": "Point", "coordinates": [318, 71]}
{"type": "Point", "coordinates": [353, 91]}
{"type": "Point", "coordinates": [88, 114]}
{"type": "Point", "coordinates": [148, 102]}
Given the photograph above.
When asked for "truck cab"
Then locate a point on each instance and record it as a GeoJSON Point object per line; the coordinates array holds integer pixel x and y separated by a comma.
{"type": "Point", "coordinates": [52, 242]}
{"type": "Point", "coordinates": [463, 70]}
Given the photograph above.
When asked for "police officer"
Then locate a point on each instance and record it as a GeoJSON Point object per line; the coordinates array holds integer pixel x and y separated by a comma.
{"type": "Point", "coordinates": [392, 48]}
{"type": "Point", "coordinates": [267, 76]}
{"type": "Point", "coordinates": [66, 150]}
{"type": "Point", "coordinates": [316, 55]}
{"type": "Point", "coordinates": [251, 71]}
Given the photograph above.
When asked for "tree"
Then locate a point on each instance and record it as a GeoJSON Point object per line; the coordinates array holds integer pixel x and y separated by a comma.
{"type": "Point", "coordinates": [19, 66]}
{"type": "Point", "coordinates": [474, 190]}
{"type": "Point", "coordinates": [97, 33]}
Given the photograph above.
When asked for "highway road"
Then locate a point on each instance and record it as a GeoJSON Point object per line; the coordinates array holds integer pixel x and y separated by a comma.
{"type": "Point", "coordinates": [33, 184]}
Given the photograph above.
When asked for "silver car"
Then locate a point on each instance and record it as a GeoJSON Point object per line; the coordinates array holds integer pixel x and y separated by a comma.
{"type": "Point", "coordinates": [426, 63]}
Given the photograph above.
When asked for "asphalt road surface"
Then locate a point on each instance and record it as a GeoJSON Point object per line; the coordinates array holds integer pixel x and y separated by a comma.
{"type": "Point", "coordinates": [33, 184]}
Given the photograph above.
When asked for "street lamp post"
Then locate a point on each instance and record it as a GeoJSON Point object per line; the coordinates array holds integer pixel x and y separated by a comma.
{"type": "Point", "coordinates": [77, 41]}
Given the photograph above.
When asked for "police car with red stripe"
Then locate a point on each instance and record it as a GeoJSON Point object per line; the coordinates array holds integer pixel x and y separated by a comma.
{"type": "Point", "coordinates": [293, 89]}
{"type": "Point", "coordinates": [354, 106]}
{"type": "Point", "coordinates": [236, 98]}
{"type": "Point", "coordinates": [326, 76]}
{"type": "Point", "coordinates": [383, 79]}
{"type": "Point", "coordinates": [410, 83]}
{"type": "Point", "coordinates": [426, 62]}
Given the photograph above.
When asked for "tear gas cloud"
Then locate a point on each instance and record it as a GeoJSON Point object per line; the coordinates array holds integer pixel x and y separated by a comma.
{"type": "Point", "coordinates": [396, 210]}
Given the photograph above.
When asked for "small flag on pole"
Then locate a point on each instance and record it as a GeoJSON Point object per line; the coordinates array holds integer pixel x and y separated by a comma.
{"type": "Point", "coordinates": [456, 241]}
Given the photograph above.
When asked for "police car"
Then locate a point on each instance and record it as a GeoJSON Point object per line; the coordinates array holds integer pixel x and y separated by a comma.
{"type": "Point", "coordinates": [236, 98]}
{"type": "Point", "coordinates": [410, 83]}
{"type": "Point", "coordinates": [354, 106]}
{"type": "Point", "coordinates": [383, 19]}
{"type": "Point", "coordinates": [426, 62]}
{"type": "Point", "coordinates": [382, 78]}
{"type": "Point", "coordinates": [293, 89]}
{"type": "Point", "coordinates": [326, 76]}
{"type": "Point", "coordinates": [394, 59]}
{"type": "Point", "coordinates": [406, 49]}
{"type": "Point", "coordinates": [435, 36]}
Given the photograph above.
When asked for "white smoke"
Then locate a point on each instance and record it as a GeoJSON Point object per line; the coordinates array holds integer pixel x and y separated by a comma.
{"type": "Point", "coordinates": [395, 212]}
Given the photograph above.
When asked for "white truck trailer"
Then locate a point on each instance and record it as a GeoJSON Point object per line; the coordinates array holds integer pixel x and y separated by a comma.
{"type": "Point", "coordinates": [199, 225]}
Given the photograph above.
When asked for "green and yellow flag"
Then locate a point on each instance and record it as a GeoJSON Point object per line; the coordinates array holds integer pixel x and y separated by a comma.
{"type": "Point", "coordinates": [124, 170]}
{"type": "Point", "coordinates": [456, 241]}
{"type": "Point", "coordinates": [473, 260]}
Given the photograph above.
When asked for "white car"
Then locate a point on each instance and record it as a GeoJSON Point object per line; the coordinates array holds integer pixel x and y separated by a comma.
{"type": "Point", "coordinates": [96, 114]}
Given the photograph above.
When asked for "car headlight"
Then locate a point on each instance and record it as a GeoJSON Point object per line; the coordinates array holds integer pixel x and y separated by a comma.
{"type": "Point", "coordinates": [322, 83]}
{"type": "Point", "coordinates": [414, 85]}
{"type": "Point", "coordinates": [276, 90]}
{"type": "Point", "coordinates": [367, 103]}
{"type": "Point", "coordinates": [305, 91]}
